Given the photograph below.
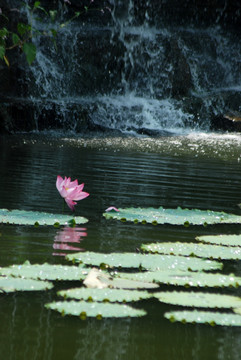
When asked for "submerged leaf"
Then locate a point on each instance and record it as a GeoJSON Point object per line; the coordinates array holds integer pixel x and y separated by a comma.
{"type": "Point", "coordinates": [177, 216]}
{"type": "Point", "coordinates": [204, 317]}
{"type": "Point", "coordinates": [193, 249]}
{"type": "Point", "coordinates": [145, 261]}
{"type": "Point", "coordinates": [10, 284]}
{"type": "Point", "coordinates": [45, 271]}
{"type": "Point", "coordinates": [198, 299]}
{"type": "Point", "coordinates": [22, 217]}
{"type": "Point", "coordinates": [226, 240]}
{"type": "Point", "coordinates": [109, 295]}
{"type": "Point", "coordinates": [187, 279]}
{"type": "Point", "coordinates": [85, 309]}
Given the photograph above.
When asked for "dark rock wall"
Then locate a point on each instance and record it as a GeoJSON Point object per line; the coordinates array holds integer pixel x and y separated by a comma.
{"type": "Point", "coordinates": [98, 59]}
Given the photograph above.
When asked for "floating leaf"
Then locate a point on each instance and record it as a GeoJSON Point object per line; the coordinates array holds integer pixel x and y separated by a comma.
{"type": "Point", "coordinates": [10, 284]}
{"type": "Point", "coordinates": [145, 261]}
{"type": "Point", "coordinates": [22, 217]}
{"type": "Point", "coordinates": [187, 279]}
{"type": "Point", "coordinates": [119, 283]}
{"type": "Point", "coordinates": [109, 295]}
{"type": "Point", "coordinates": [226, 240]}
{"type": "Point", "coordinates": [193, 249]}
{"type": "Point", "coordinates": [45, 271]}
{"type": "Point", "coordinates": [198, 299]}
{"type": "Point", "coordinates": [85, 309]}
{"type": "Point", "coordinates": [97, 279]}
{"type": "Point", "coordinates": [204, 317]}
{"type": "Point", "coordinates": [177, 216]}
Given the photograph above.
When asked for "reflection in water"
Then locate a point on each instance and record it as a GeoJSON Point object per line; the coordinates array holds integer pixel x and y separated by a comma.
{"type": "Point", "coordinates": [106, 340]}
{"type": "Point", "coordinates": [68, 235]}
{"type": "Point", "coordinates": [32, 332]}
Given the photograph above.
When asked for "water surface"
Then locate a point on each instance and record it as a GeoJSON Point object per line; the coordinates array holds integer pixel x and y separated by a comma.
{"type": "Point", "coordinates": [193, 171]}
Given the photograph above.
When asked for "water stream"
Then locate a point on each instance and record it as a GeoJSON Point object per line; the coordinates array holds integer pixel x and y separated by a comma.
{"type": "Point", "coordinates": [125, 71]}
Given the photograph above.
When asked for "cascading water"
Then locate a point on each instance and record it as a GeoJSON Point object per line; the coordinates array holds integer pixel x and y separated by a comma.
{"type": "Point", "coordinates": [135, 75]}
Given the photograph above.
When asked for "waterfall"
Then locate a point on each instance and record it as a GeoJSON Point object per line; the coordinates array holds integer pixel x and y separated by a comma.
{"type": "Point", "coordinates": [133, 72]}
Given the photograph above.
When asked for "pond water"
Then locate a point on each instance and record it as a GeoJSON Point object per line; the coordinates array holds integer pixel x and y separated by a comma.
{"type": "Point", "coordinates": [194, 171]}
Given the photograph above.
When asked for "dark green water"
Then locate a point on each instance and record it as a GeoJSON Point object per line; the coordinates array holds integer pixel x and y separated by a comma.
{"type": "Point", "coordinates": [193, 172]}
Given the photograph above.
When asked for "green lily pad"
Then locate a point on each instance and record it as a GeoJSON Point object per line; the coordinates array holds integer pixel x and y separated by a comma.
{"type": "Point", "coordinates": [102, 280]}
{"type": "Point", "coordinates": [22, 217]}
{"type": "Point", "coordinates": [85, 309]}
{"type": "Point", "coordinates": [198, 299]}
{"type": "Point", "coordinates": [105, 295]}
{"type": "Point", "coordinates": [204, 317]}
{"type": "Point", "coordinates": [45, 271]}
{"type": "Point", "coordinates": [226, 240]}
{"type": "Point", "coordinates": [177, 216]}
{"type": "Point", "coordinates": [145, 261]}
{"type": "Point", "coordinates": [187, 279]}
{"type": "Point", "coordinates": [10, 284]}
{"type": "Point", "coordinates": [193, 249]}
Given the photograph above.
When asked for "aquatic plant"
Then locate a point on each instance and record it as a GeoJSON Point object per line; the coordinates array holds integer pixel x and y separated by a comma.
{"type": "Point", "coordinates": [185, 278]}
{"type": "Point", "coordinates": [105, 295]}
{"type": "Point", "coordinates": [22, 217]}
{"type": "Point", "coordinates": [175, 264]}
{"type": "Point", "coordinates": [177, 216]}
{"type": "Point", "coordinates": [195, 249]}
{"type": "Point", "coordinates": [204, 317]}
{"type": "Point", "coordinates": [198, 299]}
{"type": "Point", "coordinates": [71, 191]}
{"type": "Point", "coordinates": [143, 261]}
{"type": "Point", "coordinates": [85, 309]}
{"type": "Point", "coordinates": [45, 271]}
{"type": "Point", "coordinates": [11, 284]}
{"type": "Point", "coordinates": [222, 239]}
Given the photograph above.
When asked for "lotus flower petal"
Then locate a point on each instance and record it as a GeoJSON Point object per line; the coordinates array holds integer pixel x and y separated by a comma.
{"type": "Point", "coordinates": [71, 191]}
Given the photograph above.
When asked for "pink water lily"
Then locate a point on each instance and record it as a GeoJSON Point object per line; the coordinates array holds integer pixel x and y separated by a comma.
{"type": "Point", "coordinates": [71, 191]}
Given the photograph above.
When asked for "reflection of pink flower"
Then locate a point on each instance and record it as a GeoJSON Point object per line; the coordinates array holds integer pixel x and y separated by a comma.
{"type": "Point", "coordinates": [68, 235]}
{"type": "Point", "coordinates": [71, 191]}
{"type": "Point", "coordinates": [66, 247]}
